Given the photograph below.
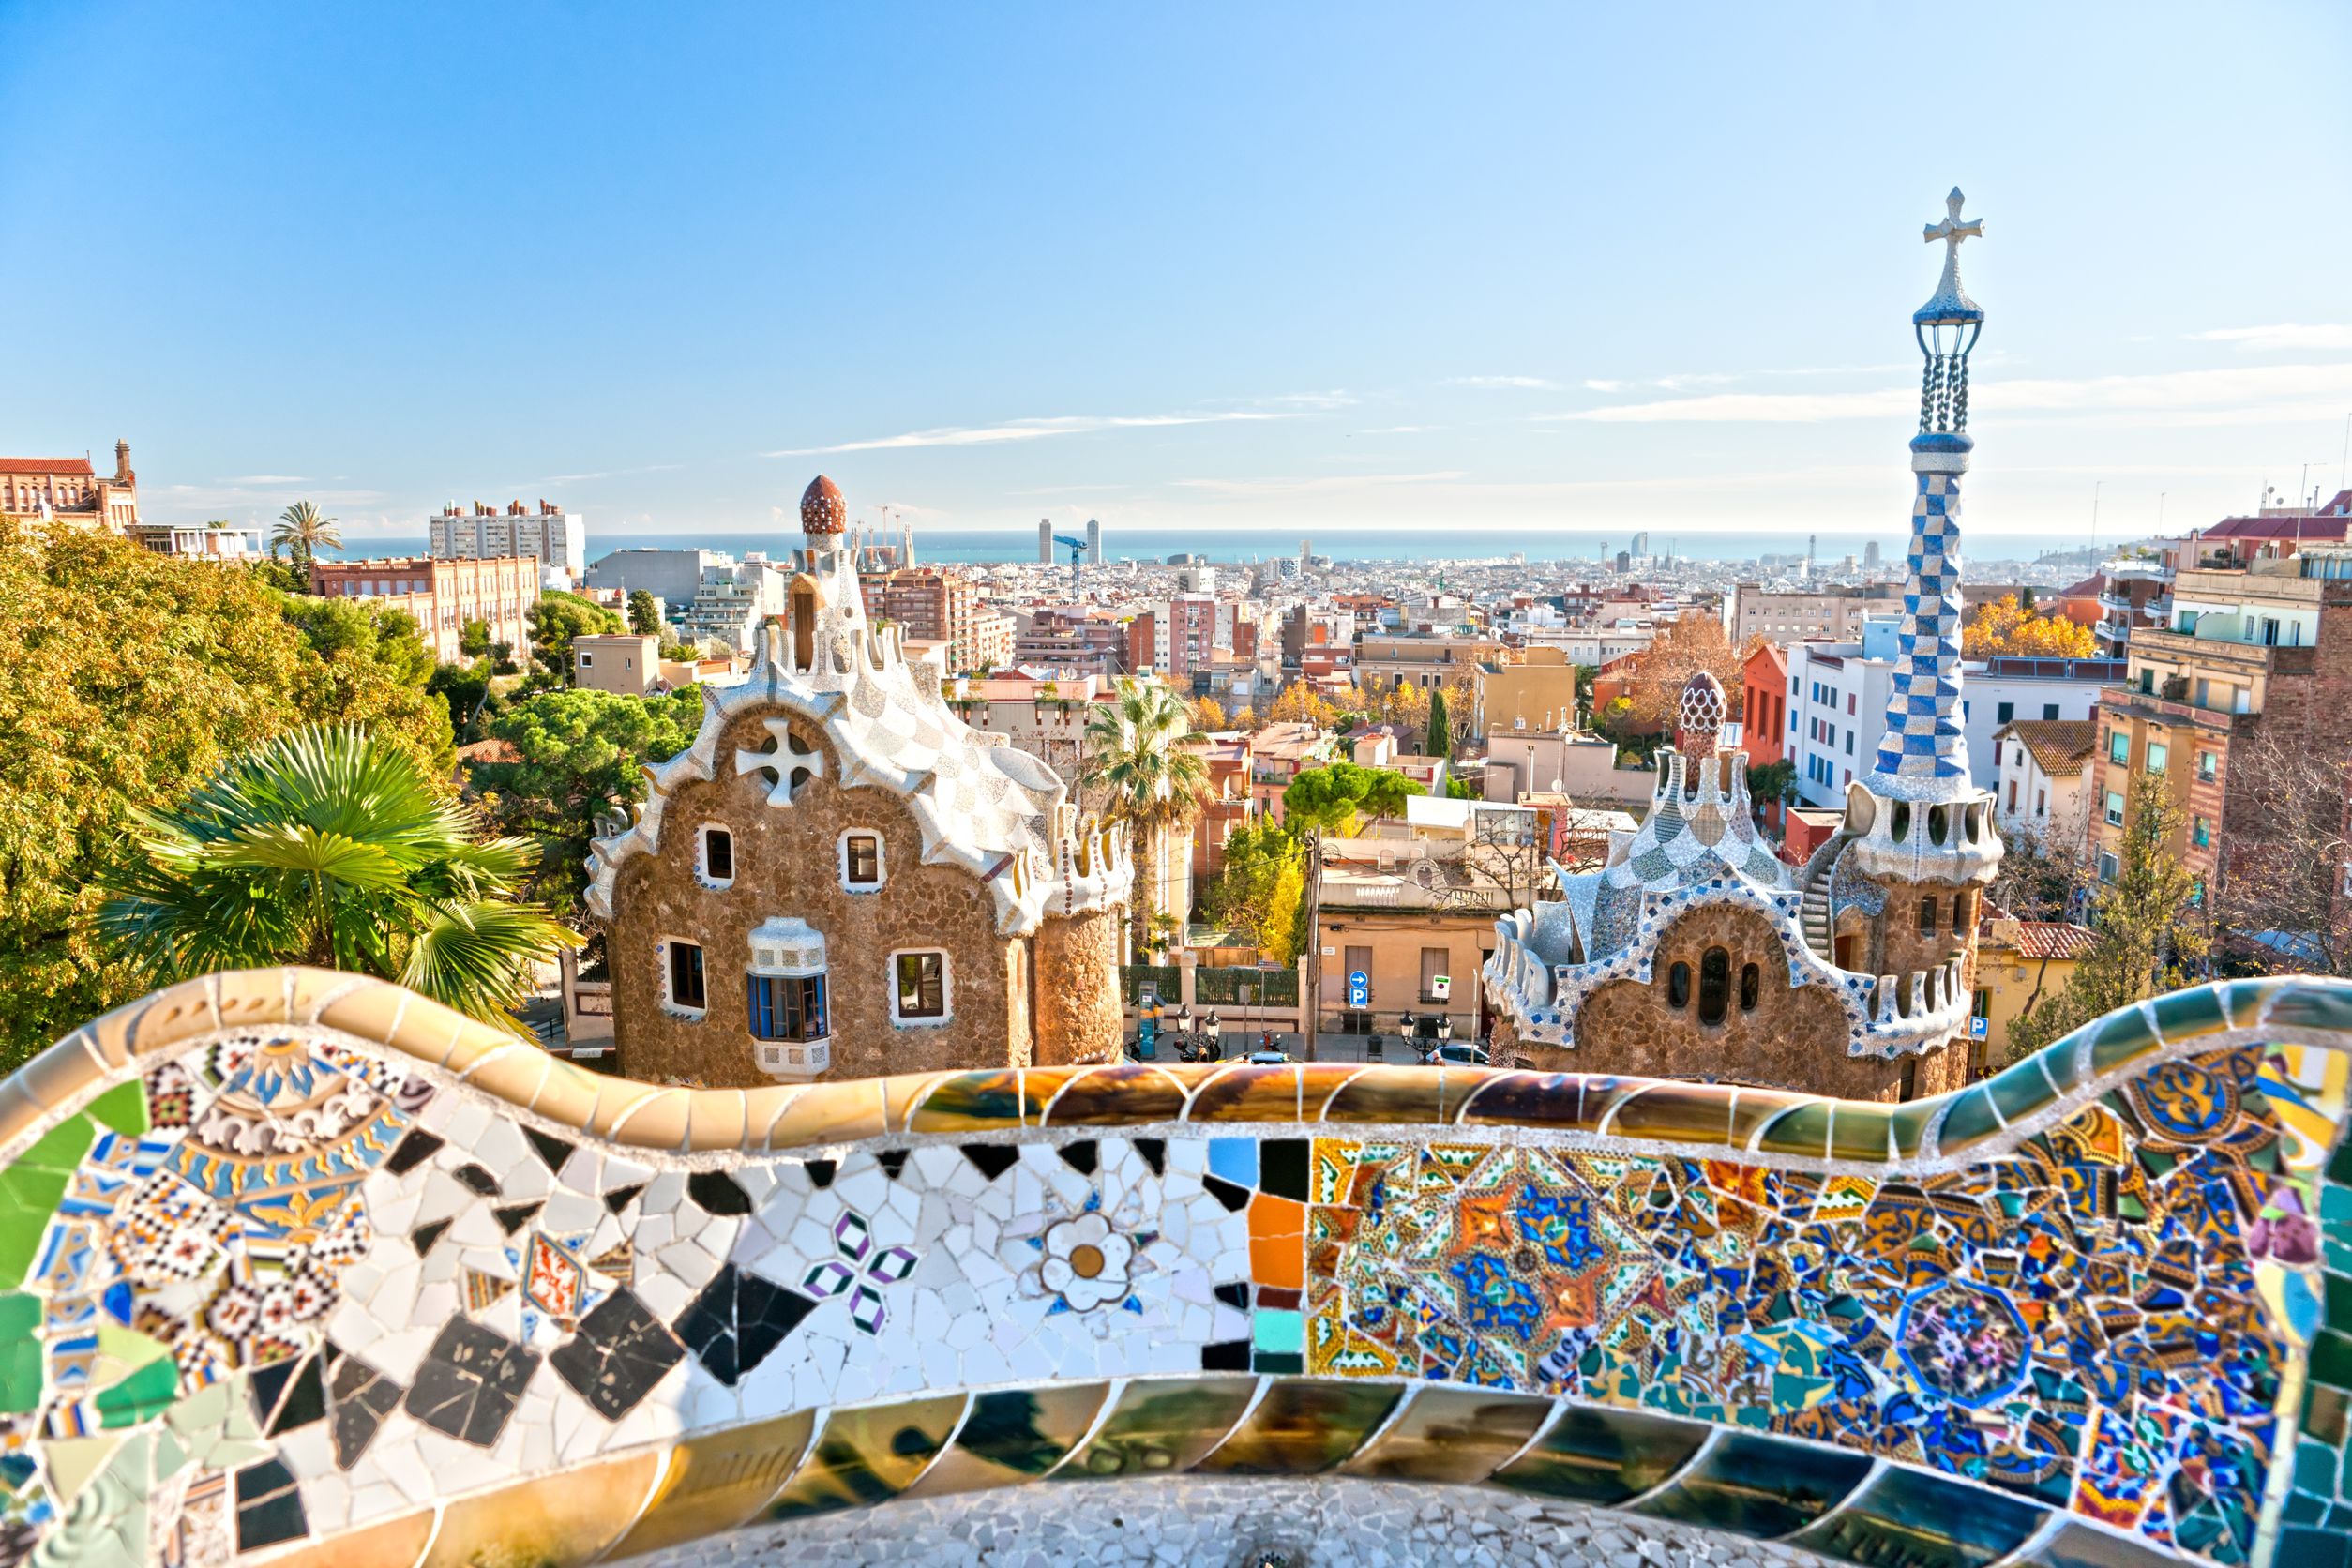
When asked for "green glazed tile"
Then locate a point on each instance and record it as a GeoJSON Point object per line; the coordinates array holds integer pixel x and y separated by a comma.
{"type": "Point", "coordinates": [29, 1191]}
{"type": "Point", "coordinates": [146, 1392]}
{"type": "Point", "coordinates": [20, 1353]}
{"type": "Point", "coordinates": [124, 1108]}
{"type": "Point", "coordinates": [2340, 1303]}
{"type": "Point", "coordinates": [2123, 1035]}
{"type": "Point", "coordinates": [2022, 1090]}
{"type": "Point", "coordinates": [1804, 1130]}
{"type": "Point", "coordinates": [1971, 1121]}
{"type": "Point", "coordinates": [2243, 1001]}
{"type": "Point", "coordinates": [2340, 1163]}
{"type": "Point", "coordinates": [1859, 1131]}
{"type": "Point", "coordinates": [2185, 1014]}
{"type": "Point", "coordinates": [2310, 1004]}
{"type": "Point", "coordinates": [2331, 1359]}
{"type": "Point", "coordinates": [1277, 1330]}
{"type": "Point", "coordinates": [1911, 1122]}
{"type": "Point", "coordinates": [2314, 1468]}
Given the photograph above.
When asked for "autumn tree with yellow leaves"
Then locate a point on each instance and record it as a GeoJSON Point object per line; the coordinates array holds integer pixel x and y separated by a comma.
{"type": "Point", "coordinates": [2007, 627]}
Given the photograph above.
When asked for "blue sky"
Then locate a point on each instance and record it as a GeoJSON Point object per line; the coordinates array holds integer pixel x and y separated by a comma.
{"type": "Point", "coordinates": [1279, 267]}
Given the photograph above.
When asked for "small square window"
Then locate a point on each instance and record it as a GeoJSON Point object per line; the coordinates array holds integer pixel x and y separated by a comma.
{"type": "Point", "coordinates": [862, 860]}
{"type": "Point", "coordinates": [920, 992]}
{"type": "Point", "coordinates": [2050, 710]}
{"type": "Point", "coordinates": [686, 975]}
{"type": "Point", "coordinates": [2004, 712]}
{"type": "Point", "coordinates": [2200, 832]}
{"type": "Point", "coordinates": [2118, 746]}
{"type": "Point", "coordinates": [2115, 810]}
{"type": "Point", "coordinates": [2158, 755]}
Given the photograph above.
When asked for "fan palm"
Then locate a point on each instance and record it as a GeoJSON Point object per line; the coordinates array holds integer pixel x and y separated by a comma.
{"type": "Point", "coordinates": [329, 847]}
{"type": "Point", "coordinates": [302, 530]}
{"type": "Point", "coordinates": [1149, 778]}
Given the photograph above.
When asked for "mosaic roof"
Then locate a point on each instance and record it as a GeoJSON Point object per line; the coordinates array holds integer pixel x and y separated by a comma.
{"type": "Point", "coordinates": [1000, 813]}
{"type": "Point", "coordinates": [298, 1263]}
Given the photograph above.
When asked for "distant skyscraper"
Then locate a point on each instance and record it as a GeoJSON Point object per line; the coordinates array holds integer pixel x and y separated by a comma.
{"type": "Point", "coordinates": [1870, 553]}
{"type": "Point", "coordinates": [1044, 541]}
{"type": "Point", "coordinates": [1094, 541]}
{"type": "Point", "coordinates": [1641, 542]}
{"type": "Point", "coordinates": [1811, 540]}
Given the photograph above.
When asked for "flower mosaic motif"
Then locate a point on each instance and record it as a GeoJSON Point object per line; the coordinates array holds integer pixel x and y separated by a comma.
{"type": "Point", "coordinates": [853, 1239]}
{"type": "Point", "coordinates": [1086, 1262]}
{"type": "Point", "coordinates": [1965, 1342]}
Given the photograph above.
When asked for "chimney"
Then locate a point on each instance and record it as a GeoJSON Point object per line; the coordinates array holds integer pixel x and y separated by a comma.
{"type": "Point", "coordinates": [123, 475]}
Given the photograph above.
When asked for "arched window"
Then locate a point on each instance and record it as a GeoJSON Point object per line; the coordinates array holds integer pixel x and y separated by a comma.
{"type": "Point", "coordinates": [1678, 986]}
{"type": "Point", "coordinates": [1927, 916]}
{"type": "Point", "coordinates": [1714, 985]}
{"type": "Point", "coordinates": [1960, 914]}
{"type": "Point", "coordinates": [1751, 987]}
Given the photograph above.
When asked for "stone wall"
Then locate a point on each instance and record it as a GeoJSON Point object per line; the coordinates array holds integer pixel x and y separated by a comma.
{"type": "Point", "coordinates": [1078, 1014]}
{"type": "Point", "coordinates": [1793, 1039]}
{"type": "Point", "coordinates": [788, 863]}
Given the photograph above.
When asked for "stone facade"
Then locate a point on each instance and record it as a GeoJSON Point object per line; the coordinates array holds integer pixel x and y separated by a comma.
{"type": "Point", "coordinates": [840, 878]}
{"type": "Point", "coordinates": [787, 863]}
{"type": "Point", "coordinates": [1629, 1027]}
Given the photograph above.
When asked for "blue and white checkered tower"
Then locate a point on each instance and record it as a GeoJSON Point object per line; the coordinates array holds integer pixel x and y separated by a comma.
{"type": "Point", "coordinates": [1923, 756]}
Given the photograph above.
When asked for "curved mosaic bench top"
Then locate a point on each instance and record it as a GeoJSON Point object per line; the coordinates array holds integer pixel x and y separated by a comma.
{"type": "Point", "coordinates": [297, 1266]}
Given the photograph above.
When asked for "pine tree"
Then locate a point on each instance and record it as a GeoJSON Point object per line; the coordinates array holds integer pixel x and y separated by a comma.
{"type": "Point", "coordinates": [1440, 730]}
{"type": "Point", "coordinates": [2150, 927]}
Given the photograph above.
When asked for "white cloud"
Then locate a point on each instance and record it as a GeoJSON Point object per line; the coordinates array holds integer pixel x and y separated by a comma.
{"type": "Point", "coordinates": [1401, 430]}
{"type": "Point", "coordinates": [2174, 396]}
{"type": "Point", "coordinates": [1031, 430]}
{"type": "Point", "coordinates": [2283, 335]}
{"type": "Point", "coordinates": [1523, 383]}
{"type": "Point", "coordinates": [1325, 485]}
{"type": "Point", "coordinates": [1607, 385]}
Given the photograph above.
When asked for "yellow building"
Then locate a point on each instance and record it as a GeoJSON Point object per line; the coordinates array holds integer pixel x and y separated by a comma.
{"type": "Point", "coordinates": [1539, 693]}
{"type": "Point", "coordinates": [2019, 965]}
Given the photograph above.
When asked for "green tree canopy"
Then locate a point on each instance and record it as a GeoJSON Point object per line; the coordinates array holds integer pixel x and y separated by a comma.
{"type": "Point", "coordinates": [644, 615]}
{"type": "Point", "coordinates": [126, 679]}
{"type": "Point", "coordinates": [304, 532]}
{"type": "Point", "coordinates": [2149, 924]}
{"type": "Point", "coordinates": [556, 618]}
{"type": "Point", "coordinates": [325, 846]}
{"type": "Point", "coordinates": [580, 754]}
{"type": "Point", "coordinates": [1441, 742]}
{"type": "Point", "coordinates": [1258, 889]}
{"type": "Point", "coordinates": [1337, 795]}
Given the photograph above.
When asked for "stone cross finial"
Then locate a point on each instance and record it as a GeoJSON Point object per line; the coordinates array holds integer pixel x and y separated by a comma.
{"type": "Point", "coordinates": [1951, 231]}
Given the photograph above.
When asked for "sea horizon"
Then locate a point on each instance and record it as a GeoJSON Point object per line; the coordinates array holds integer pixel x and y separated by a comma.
{"type": "Point", "coordinates": [1154, 546]}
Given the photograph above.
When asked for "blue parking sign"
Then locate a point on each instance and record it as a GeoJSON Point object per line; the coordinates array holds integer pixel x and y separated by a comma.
{"type": "Point", "coordinates": [1359, 989]}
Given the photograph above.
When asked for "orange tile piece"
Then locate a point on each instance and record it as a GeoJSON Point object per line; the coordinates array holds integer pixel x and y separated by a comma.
{"type": "Point", "coordinates": [1278, 1241]}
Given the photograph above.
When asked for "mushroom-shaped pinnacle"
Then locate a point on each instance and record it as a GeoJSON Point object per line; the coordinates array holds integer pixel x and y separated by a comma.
{"type": "Point", "coordinates": [821, 508]}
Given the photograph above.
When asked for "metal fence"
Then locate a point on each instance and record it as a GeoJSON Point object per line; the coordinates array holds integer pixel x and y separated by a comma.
{"type": "Point", "coordinates": [1245, 987]}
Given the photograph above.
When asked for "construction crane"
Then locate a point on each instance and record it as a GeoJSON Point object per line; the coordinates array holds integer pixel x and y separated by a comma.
{"type": "Point", "coordinates": [1078, 558]}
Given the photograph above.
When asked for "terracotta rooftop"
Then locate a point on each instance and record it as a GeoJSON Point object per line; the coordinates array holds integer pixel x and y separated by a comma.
{"type": "Point", "coordinates": [45, 465]}
{"type": "Point", "coordinates": [2059, 746]}
{"type": "Point", "coordinates": [2053, 939]}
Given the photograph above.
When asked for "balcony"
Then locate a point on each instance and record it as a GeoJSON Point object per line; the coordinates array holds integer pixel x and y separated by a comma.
{"type": "Point", "coordinates": [2131, 701]}
{"type": "Point", "coordinates": [2226, 657]}
{"type": "Point", "coordinates": [796, 1060]}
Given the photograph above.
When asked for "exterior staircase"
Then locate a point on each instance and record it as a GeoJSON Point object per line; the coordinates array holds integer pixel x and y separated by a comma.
{"type": "Point", "coordinates": [1814, 913]}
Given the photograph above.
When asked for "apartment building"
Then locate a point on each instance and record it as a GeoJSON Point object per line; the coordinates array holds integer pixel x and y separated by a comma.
{"type": "Point", "coordinates": [546, 533]}
{"type": "Point", "coordinates": [671, 575]}
{"type": "Point", "coordinates": [941, 606]}
{"type": "Point", "coordinates": [442, 595]}
{"type": "Point", "coordinates": [733, 603]}
{"type": "Point", "coordinates": [1279, 753]}
{"type": "Point", "coordinates": [1838, 692]}
{"type": "Point", "coordinates": [1764, 703]}
{"type": "Point", "coordinates": [2265, 651]}
{"type": "Point", "coordinates": [1070, 640]}
{"type": "Point", "coordinates": [2041, 779]}
{"type": "Point", "coordinates": [1539, 692]}
{"type": "Point", "coordinates": [1387, 660]}
{"type": "Point", "coordinates": [1790, 615]}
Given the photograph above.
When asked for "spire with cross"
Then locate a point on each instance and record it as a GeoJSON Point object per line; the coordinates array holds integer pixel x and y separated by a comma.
{"type": "Point", "coordinates": [1923, 755]}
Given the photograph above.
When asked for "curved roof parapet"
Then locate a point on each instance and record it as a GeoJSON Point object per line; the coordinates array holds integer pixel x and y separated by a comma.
{"type": "Point", "coordinates": [394, 1286]}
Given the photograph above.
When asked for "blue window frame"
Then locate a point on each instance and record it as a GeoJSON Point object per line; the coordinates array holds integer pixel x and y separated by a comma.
{"type": "Point", "coordinates": [786, 1007]}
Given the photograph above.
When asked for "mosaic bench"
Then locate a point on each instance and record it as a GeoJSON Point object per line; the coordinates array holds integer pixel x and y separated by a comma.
{"type": "Point", "coordinates": [297, 1267]}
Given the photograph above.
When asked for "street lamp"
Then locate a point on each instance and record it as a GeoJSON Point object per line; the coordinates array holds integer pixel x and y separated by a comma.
{"type": "Point", "coordinates": [1405, 1022]}
{"type": "Point", "coordinates": [1445, 1026]}
{"type": "Point", "coordinates": [1209, 1023]}
{"type": "Point", "coordinates": [1184, 1021]}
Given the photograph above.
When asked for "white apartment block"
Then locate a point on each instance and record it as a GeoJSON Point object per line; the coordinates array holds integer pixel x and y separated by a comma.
{"type": "Point", "coordinates": [1837, 706]}
{"type": "Point", "coordinates": [549, 535]}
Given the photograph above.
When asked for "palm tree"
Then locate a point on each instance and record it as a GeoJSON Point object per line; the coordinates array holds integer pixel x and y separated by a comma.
{"type": "Point", "coordinates": [329, 847]}
{"type": "Point", "coordinates": [1150, 779]}
{"type": "Point", "coordinates": [302, 530]}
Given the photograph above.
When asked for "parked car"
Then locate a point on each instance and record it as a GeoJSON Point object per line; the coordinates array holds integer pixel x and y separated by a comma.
{"type": "Point", "coordinates": [1267, 1058]}
{"type": "Point", "coordinates": [1458, 1053]}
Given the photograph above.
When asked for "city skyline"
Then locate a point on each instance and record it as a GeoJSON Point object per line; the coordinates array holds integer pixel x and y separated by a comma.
{"type": "Point", "coordinates": [1287, 276]}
